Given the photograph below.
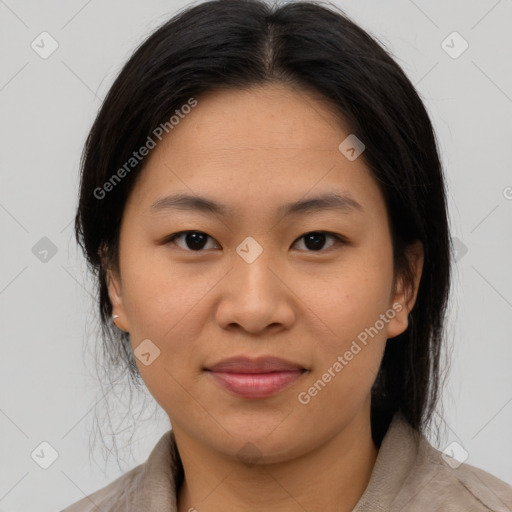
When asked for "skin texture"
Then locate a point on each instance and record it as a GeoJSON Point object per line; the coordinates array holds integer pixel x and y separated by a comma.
{"type": "Point", "coordinates": [254, 150]}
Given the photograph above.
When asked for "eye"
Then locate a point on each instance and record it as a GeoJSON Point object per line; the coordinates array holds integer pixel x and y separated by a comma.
{"type": "Point", "coordinates": [316, 239]}
{"type": "Point", "coordinates": [197, 240]}
{"type": "Point", "coordinates": [194, 239]}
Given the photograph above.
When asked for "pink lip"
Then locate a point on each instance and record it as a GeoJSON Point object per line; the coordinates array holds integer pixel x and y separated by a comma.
{"type": "Point", "coordinates": [255, 378]}
{"type": "Point", "coordinates": [243, 364]}
{"type": "Point", "coordinates": [256, 385]}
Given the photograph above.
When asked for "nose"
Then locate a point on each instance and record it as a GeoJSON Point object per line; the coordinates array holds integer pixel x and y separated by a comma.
{"type": "Point", "coordinates": [255, 298]}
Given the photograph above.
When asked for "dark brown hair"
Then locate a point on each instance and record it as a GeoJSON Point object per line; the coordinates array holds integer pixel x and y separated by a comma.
{"type": "Point", "coordinates": [308, 46]}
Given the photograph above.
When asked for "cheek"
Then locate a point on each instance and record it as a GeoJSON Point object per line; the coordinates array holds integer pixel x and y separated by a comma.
{"type": "Point", "coordinates": [335, 395]}
{"type": "Point", "coordinates": [163, 307]}
{"type": "Point", "coordinates": [161, 297]}
{"type": "Point", "coordinates": [349, 355]}
{"type": "Point", "coordinates": [354, 296]}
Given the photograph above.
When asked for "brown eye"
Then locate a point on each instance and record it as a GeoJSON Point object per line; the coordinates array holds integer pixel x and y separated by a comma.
{"type": "Point", "coordinates": [193, 240]}
{"type": "Point", "coordinates": [315, 240]}
{"type": "Point", "coordinates": [196, 241]}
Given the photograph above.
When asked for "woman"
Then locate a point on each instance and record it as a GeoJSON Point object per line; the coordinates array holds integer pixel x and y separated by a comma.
{"type": "Point", "coordinates": [263, 202]}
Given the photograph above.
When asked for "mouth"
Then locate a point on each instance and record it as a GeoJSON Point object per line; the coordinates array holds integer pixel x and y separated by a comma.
{"type": "Point", "coordinates": [255, 378]}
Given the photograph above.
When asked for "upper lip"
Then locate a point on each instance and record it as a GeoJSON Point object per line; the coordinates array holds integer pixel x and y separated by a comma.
{"type": "Point", "coordinates": [244, 364]}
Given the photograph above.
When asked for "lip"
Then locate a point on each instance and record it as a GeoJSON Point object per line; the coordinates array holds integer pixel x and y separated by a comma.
{"type": "Point", "coordinates": [255, 378]}
{"type": "Point", "coordinates": [243, 364]}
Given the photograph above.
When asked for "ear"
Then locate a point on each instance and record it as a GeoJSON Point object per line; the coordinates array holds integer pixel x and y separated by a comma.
{"type": "Point", "coordinates": [115, 293]}
{"type": "Point", "coordinates": [406, 291]}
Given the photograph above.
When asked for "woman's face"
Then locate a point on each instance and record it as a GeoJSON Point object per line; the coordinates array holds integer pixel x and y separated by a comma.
{"type": "Point", "coordinates": [251, 283]}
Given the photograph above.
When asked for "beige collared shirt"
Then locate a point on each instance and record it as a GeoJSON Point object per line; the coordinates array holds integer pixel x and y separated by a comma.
{"type": "Point", "coordinates": [409, 475]}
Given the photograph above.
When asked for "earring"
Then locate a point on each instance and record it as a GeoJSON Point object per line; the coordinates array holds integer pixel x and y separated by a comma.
{"type": "Point", "coordinates": [114, 320]}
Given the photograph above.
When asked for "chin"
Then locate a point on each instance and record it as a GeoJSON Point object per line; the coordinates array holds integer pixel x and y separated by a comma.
{"type": "Point", "coordinates": [262, 449]}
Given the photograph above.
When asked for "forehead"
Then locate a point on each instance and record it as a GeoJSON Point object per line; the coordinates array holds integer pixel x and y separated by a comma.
{"type": "Point", "coordinates": [261, 146]}
{"type": "Point", "coordinates": [272, 116]}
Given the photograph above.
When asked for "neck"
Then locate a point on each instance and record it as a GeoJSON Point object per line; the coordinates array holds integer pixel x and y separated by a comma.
{"type": "Point", "coordinates": [331, 477]}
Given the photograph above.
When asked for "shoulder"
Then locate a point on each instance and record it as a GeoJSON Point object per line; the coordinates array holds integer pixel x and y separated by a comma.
{"type": "Point", "coordinates": [149, 486]}
{"type": "Point", "coordinates": [438, 482]}
{"type": "Point", "coordinates": [410, 474]}
{"type": "Point", "coordinates": [115, 496]}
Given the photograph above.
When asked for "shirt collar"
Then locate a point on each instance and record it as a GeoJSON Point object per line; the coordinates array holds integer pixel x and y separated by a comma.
{"type": "Point", "coordinates": [155, 487]}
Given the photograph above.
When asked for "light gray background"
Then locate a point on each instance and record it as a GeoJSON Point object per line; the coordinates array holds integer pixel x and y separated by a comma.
{"type": "Point", "coordinates": [46, 109]}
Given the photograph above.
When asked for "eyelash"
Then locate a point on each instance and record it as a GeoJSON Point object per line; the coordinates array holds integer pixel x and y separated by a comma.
{"type": "Point", "coordinates": [339, 239]}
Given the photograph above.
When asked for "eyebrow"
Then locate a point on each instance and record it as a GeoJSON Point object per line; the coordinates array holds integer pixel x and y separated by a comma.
{"type": "Point", "coordinates": [330, 201]}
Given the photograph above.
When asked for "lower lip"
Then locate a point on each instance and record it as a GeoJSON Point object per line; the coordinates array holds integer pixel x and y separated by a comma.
{"type": "Point", "coordinates": [256, 385]}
